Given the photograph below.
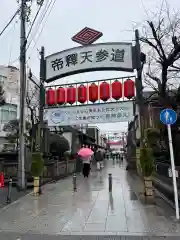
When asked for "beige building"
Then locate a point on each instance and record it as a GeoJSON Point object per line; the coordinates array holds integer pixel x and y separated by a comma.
{"type": "Point", "coordinates": [10, 81]}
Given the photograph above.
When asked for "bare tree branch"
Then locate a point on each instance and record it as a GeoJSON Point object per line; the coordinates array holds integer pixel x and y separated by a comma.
{"type": "Point", "coordinates": [157, 39]}
{"type": "Point", "coordinates": [162, 40]}
{"type": "Point", "coordinates": [32, 101]}
{"type": "Point", "coordinates": [145, 40]}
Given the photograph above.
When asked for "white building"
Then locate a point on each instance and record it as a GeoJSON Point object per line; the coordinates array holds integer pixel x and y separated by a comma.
{"type": "Point", "coordinates": [10, 81]}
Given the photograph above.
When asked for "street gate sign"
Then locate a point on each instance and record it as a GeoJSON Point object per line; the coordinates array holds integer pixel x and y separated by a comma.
{"type": "Point", "coordinates": [95, 57]}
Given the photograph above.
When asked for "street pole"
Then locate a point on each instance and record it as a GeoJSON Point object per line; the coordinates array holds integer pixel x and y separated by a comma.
{"type": "Point", "coordinates": [173, 171]}
{"type": "Point", "coordinates": [41, 108]}
{"type": "Point", "coordinates": [41, 99]}
{"type": "Point", "coordinates": [23, 41]}
{"type": "Point", "coordinates": [139, 87]}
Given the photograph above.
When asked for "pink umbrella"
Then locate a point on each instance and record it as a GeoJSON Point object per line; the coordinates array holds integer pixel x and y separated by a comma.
{"type": "Point", "coordinates": [85, 152]}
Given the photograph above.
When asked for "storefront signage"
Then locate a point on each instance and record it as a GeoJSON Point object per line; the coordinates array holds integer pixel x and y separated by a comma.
{"type": "Point", "coordinates": [114, 138]}
{"type": "Point", "coordinates": [90, 114]}
{"type": "Point", "coordinates": [95, 57]}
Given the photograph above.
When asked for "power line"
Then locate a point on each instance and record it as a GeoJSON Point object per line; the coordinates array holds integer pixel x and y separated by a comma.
{"type": "Point", "coordinates": [146, 11]}
{"type": "Point", "coordinates": [10, 21]}
{"type": "Point", "coordinates": [36, 28]}
{"type": "Point", "coordinates": [42, 27]}
{"type": "Point", "coordinates": [34, 20]}
{"type": "Point", "coordinates": [11, 46]}
{"type": "Point", "coordinates": [44, 15]}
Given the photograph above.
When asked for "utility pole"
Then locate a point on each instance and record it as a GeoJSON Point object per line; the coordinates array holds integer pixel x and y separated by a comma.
{"type": "Point", "coordinates": [41, 107]}
{"type": "Point", "coordinates": [140, 60]}
{"type": "Point", "coordinates": [42, 99]}
{"type": "Point", "coordinates": [25, 10]}
{"type": "Point", "coordinates": [23, 41]}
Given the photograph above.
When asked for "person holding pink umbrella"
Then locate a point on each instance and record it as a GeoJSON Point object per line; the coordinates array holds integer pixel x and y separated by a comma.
{"type": "Point", "coordinates": [86, 166]}
{"type": "Point", "coordinates": [86, 154]}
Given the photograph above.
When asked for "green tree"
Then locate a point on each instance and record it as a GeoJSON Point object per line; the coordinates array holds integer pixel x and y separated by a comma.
{"type": "Point", "coordinates": [58, 145]}
{"type": "Point", "coordinates": [12, 129]}
{"type": "Point", "coordinates": [152, 136]}
{"type": "Point", "coordinates": [37, 165]}
{"type": "Point", "coordinates": [147, 161]}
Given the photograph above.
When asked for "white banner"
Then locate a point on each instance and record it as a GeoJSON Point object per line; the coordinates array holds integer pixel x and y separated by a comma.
{"type": "Point", "coordinates": [88, 114]}
{"type": "Point", "coordinates": [94, 57]}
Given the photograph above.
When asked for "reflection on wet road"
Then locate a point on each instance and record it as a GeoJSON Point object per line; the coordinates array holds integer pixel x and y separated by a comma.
{"type": "Point", "coordinates": [91, 210]}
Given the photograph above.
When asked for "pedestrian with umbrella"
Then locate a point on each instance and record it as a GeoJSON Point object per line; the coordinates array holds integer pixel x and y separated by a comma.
{"type": "Point", "coordinates": [86, 154]}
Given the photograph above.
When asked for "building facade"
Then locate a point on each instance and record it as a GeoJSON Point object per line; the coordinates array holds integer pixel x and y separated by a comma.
{"type": "Point", "coordinates": [10, 82]}
{"type": "Point", "coordinates": [94, 132]}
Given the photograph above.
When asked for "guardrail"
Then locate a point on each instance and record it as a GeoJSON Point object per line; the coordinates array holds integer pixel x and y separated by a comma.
{"type": "Point", "coordinates": [55, 170]}
{"type": "Point", "coordinates": [163, 180]}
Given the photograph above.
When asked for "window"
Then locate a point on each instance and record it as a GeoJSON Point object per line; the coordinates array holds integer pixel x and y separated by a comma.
{"type": "Point", "coordinates": [8, 112]}
{"type": "Point", "coordinates": [2, 79]}
{"type": "Point", "coordinates": [4, 115]}
{"type": "Point", "coordinates": [12, 115]}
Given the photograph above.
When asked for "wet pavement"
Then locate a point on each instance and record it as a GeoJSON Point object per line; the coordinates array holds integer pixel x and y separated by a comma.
{"type": "Point", "coordinates": [90, 211]}
{"type": "Point", "coordinates": [11, 236]}
{"type": "Point", "coordinates": [15, 195]}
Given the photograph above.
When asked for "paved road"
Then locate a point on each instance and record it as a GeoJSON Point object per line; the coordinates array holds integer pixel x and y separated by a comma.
{"type": "Point", "coordinates": [90, 211]}
{"type": "Point", "coordinates": [12, 236]}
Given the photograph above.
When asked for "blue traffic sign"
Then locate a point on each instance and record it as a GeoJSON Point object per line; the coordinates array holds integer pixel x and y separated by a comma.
{"type": "Point", "coordinates": [168, 116]}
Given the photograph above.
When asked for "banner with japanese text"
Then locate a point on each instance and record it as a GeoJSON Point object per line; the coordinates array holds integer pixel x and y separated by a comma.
{"type": "Point", "coordinates": [90, 114]}
{"type": "Point", "coordinates": [94, 57]}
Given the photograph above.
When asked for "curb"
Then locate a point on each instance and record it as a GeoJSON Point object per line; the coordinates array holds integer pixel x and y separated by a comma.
{"type": "Point", "coordinates": [163, 197]}
{"type": "Point", "coordinates": [12, 203]}
{"type": "Point", "coordinates": [31, 192]}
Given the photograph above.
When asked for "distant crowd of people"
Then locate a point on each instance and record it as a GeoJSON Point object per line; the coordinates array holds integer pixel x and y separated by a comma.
{"type": "Point", "coordinates": [114, 155]}
{"type": "Point", "coordinates": [85, 164]}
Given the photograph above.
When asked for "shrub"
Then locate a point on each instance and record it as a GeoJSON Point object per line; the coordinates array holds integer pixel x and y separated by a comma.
{"type": "Point", "coordinates": [152, 135]}
{"type": "Point", "coordinates": [147, 161]}
{"type": "Point", "coordinates": [67, 155]}
{"type": "Point", "coordinates": [37, 166]}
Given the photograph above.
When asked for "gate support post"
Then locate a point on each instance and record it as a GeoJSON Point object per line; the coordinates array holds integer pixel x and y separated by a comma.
{"type": "Point", "coordinates": [140, 60]}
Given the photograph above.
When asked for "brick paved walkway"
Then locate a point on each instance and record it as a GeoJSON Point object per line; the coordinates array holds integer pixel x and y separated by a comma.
{"type": "Point", "coordinates": [91, 210]}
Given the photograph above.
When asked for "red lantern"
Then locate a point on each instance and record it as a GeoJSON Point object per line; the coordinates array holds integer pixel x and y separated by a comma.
{"type": "Point", "coordinates": [61, 95]}
{"type": "Point", "coordinates": [82, 94]}
{"type": "Point", "coordinates": [129, 88]}
{"type": "Point", "coordinates": [104, 91]}
{"type": "Point", "coordinates": [93, 93]}
{"type": "Point", "coordinates": [50, 97]}
{"type": "Point", "coordinates": [71, 95]}
{"type": "Point", "coordinates": [116, 90]}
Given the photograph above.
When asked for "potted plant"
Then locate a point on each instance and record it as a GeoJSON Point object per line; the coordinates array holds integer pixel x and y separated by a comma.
{"type": "Point", "coordinates": [37, 168]}
{"type": "Point", "coordinates": [147, 168]}
{"type": "Point", "coordinates": [152, 136]}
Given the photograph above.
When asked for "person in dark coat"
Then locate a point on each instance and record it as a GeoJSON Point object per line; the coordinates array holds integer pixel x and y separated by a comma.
{"type": "Point", "coordinates": [99, 158]}
{"type": "Point", "coordinates": [86, 166]}
{"type": "Point", "coordinates": [79, 164]}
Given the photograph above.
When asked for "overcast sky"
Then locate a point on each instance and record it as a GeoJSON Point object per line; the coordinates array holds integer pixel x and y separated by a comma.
{"type": "Point", "coordinates": [116, 19]}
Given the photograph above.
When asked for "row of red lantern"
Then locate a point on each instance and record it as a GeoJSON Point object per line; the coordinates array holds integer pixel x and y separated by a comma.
{"type": "Point", "coordinates": [68, 95]}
